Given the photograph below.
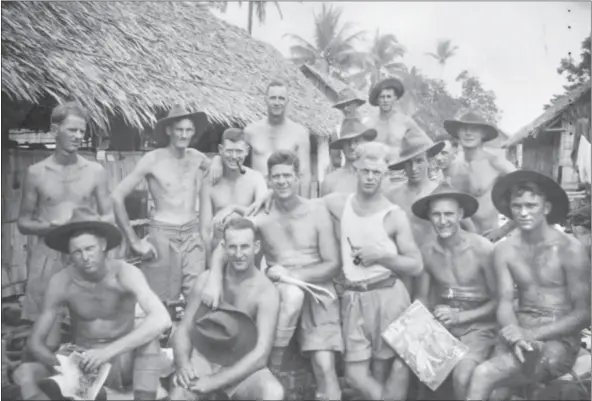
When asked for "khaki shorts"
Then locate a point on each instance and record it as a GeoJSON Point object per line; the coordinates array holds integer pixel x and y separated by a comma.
{"type": "Point", "coordinates": [42, 263]}
{"type": "Point", "coordinates": [180, 259]}
{"type": "Point", "coordinates": [365, 316]}
{"type": "Point", "coordinates": [204, 368]}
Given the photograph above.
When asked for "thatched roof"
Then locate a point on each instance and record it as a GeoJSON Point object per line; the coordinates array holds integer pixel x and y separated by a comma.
{"type": "Point", "coordinates": [578, 98]}
{"type": "Point", "coordinates": [135, 59]}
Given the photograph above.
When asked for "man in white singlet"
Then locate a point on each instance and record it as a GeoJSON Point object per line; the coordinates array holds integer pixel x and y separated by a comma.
{"type": "Point", "coordinates": [376, 246]}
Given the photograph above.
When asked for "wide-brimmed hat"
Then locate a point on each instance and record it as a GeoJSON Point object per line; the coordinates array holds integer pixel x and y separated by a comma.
{"type": "Point", "coordinates": [500, 194]}
{"type": "Point", "coordinates": [223, 336]}
{"type": "Point", "coordinates": [413, 144]}
{"type": "Point", "coordinates": [472, 119]}
{"type": "Point", "coordinates": [468, 203]}
{"type": "Point", "coordinates": [177, 112]}
{"type": "Point", "coordinates": [82, 219]}
{"type": "Point", "coordinates": [352, 128]}
{"type": "Point", "coordinates": [390, 82]}
{"type": "Point", "coordinates": [347, 96]}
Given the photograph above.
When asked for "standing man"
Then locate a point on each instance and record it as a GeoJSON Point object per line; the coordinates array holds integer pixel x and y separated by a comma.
{"type": "Point", "coordinates": [274, 133]}
{"type": "Point", "coordinates": [238, 336]}
{"type": "Point", "coordinates": [353, 133]}
{"type": "Point", "coordinates": [238, 188]}
{"type": "Point", "coordinates": [173, 252]}
{"type": "Point", "coordinates": [298, 243]}
{"type": "Point", "coordinates": [52, 189]}
{"type": "Point", "coordinates": [101, 296]}
{"type": "Point", "coordinates": [458, 268]}
{"type": "Point", "coordinates": [477, 172]}
{"type": "Point", "coordinates": [377, 247]}
{"type": "Point", "coordinates": [348, 103]}
{"type": "Point", "coordinates": [541, 339]}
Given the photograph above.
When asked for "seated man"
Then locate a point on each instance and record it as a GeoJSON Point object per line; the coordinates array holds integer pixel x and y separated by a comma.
{"type": "Point", "coordinates": [298, 243]}
{"type": "Point", "coordinates": [541, 340]}
{"type": "Point", "coordinates": [377, 248]}
{"type": "Point", "coordinates": [101, 296]}
{"type": "Point", "coordinates": [202, 365]}
{"type": "Point", "coordinates": [459, 267]}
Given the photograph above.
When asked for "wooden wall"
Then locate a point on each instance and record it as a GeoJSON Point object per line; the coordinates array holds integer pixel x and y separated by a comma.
{"type": "Point", "coordinates": [541, 154]}
{"type": "Point", "coordinates": [14, 245]}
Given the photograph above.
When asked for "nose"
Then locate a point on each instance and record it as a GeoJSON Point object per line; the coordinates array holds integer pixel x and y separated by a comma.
{"type": "Point", "coordinates": [84, 257]}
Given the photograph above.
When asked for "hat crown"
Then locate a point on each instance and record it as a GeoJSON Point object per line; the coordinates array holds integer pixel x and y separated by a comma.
{"type": "Point", "coordinates": [178, 109]}
{"type": "Point", "coordinates": [472, 117]}
{"type": "Point", "coordinates": [346, 94]}
{"type": "Point", "coordinates": [414, 142]}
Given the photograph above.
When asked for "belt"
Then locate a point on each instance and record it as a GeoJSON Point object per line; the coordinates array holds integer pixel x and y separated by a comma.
{"type": "Point", "coordinates": [370, 285]}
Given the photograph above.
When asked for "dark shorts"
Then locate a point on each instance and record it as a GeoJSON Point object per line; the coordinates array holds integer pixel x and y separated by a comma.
{"type": "Point", "coordinates": [365, 316]}
{"type": "Point", "coordinates": [180, 259]}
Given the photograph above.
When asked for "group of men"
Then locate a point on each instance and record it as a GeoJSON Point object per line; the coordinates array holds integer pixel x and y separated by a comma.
{"type": "Point", "coordinates": [372, 248]}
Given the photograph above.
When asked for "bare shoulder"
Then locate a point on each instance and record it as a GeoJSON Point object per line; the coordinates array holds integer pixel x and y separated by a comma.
{"type": "Point", "coordinates": [500, 163]}
{"type": "Point", "coordinates": [59, 283]}
{"type": "Point", "coordinates": [335, 203]}
{"type": "Point", "coordinates": [254, 175]}
{"type": "Point", "coordinates": [396, 215]}
{"type": "Point", "coordinates": [505, 249]}
{"type": "Point", "coordinates": [393, 194]}
{"type": "Point", "coordinates": [298, 128]}
{"type": "Point", "coordinates": [267, 290]}
{"type": "Point", "coordinates": [255, 126]}
{"type": "Point", "coordinates": [572, 250]}
{"type": "Point", "coordinates": [480, 244]}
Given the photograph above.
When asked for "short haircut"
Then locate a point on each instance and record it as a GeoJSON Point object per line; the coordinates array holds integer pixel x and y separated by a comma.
{"type": "Point", "coordinates": [520, 188]}
{"type": "Point", "coordinates": [234, 135]}
{"type": "Point", "coordinates": [240, 223]}
{"type": "Point", "coordinates": [283, 157]}
{"type": "Point", "coordinates": [276, 82]}
{"type": "Point", "coordinates": [62, 111]}
{"type": "Point", "coordinates": [372, 151]}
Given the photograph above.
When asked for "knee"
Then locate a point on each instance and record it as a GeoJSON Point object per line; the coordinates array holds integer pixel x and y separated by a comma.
{"type": "Point", "coordinates": [29, 372]}
{"type": "Point", "coordinates": [273, 390]}
{"type": "Point", "coordinates": [323, 363]}
{"type": "Point", "coordinates": [179, 393]}
{"type": "Point", "coordinates": [462, 374]}
{"type": "Point", "coordinates": [292, 298]}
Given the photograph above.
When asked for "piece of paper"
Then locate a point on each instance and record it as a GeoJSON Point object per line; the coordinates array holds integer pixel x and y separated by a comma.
{"type": "Point", "coordinates": [425, 345]}
{"type": "Point", "coordinates": [76, 384]}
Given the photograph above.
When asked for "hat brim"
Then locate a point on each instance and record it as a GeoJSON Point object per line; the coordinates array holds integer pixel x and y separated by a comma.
{"type": "Point", "coordinates": [452, 127]}
{"type": "Point", "coordinates": [342, 104]}
{"type": "Point", "coordinates": [370, 135]}
{"type": "Point", "coordinates": [392, 82]}
{"type": "Point", "coordinates": [553, 193]}
{"type": "Point", "coordinates": [225, 357]}
{"type": "Point", "coordinates": [431, 152]}
{"type": "Point", "coordinates": [199, 118]}
{"type": "Point", "coordinates": [468, 203]}
{"type": "Point", "coordinates": [59, 238]}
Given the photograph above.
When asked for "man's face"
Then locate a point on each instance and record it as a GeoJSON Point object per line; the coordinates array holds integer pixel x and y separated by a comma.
{"type": "Point", "coordinates": [417, 168]}
{"type": "Point", "coordinates": [233, 153]}
{"type": "Point", "coordinates": [387, 99]}
{"type": "Point", "coordinates": [349, 147]}
{"type": "Point", "coordinates": [70, 133]}
{"type": "Point", "coordinates": [241, 248]}
{"type": "Point", "coordinates": [470, 136]}
{"type": "Point", "coordinates": [283, 180]}
{"type": "Point", "coordinates": [87, 252]}
{"type": "Point", "coordinates": [445, 156]}
{"type": "Point", "coordinates": [445, 215]}
{"type": "Point", "coordinates": [349, 110]}
{"type": "Point", "coordinates": [528, 209]}
{"type": "Point", "coordinates": [180, 133]}
{"type": "Point", "coordinates": [277, 100]}
{"type": "Point", "coordinates": [370, 174]}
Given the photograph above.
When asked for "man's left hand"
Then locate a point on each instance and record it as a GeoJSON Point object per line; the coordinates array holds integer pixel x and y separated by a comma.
{"type": "Point", "coordinates": [203, 385]}
{"type": "Point", "coordinates": [94, 359]}
{"type": "Point", "coordinates": [513, 333]}
{"type": "Point", "coordinates": [369, 254]}
{"type": "Point", "coordinates": [276, 272]}
{"type": "Point", "coordinates": [446, 315]}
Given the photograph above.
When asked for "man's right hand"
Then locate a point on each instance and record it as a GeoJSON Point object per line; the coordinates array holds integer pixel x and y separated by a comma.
{"type": "Point", "coordinates": [145, 249]}
{"type": "Point", "coordinates": [265, 204]}
{"type": "Point", "coordinates": [212, 292]}
{"type": "Point", "coordinates": [215, 171]}
{"type": "Point", "coordinates": [184, 377]}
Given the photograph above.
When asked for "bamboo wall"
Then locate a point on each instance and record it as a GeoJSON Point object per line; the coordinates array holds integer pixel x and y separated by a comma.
{"type": "Point", "coordinates": [14, 245]}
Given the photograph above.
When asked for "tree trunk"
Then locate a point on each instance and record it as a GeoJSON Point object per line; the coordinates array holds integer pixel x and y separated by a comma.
{"type": "Point", "coordinates": [250, 23]}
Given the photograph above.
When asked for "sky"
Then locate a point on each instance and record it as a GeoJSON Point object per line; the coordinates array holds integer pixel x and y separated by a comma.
{"type": "Point", "coordinates": [513, 47]}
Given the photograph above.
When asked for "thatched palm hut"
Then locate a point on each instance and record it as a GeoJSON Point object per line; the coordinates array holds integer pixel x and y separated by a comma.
{"type": "Point", "coordinates": [128, 62]}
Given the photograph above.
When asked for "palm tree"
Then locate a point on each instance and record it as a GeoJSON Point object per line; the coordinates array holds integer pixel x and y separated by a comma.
{"type": "Point", "coordinates": [255, 7]}
{"type": "Point", "coordinates": [379, 61]}
{"type": "Point", "coordinates": [444, 51]}
{"type": "Point", "coordinates": [333, 48]}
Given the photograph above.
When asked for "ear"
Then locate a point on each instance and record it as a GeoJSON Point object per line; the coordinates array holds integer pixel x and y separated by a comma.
{"type": "Point", "coordinates": [54, 128]}
{"type": "Point", "coordinates": [220, 148]}
{"type": "Point", "coordinates": [167, 130]}
{"type": "Point", "coordinates": [548, 207]}
{"type": "Point", "coordinates": [257, 246]}
{"type": "Point", "coordinates": [461, 211]}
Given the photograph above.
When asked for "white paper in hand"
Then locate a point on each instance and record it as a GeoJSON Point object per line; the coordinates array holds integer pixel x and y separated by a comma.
{"type": "Point", "coordinates": [76, 384]}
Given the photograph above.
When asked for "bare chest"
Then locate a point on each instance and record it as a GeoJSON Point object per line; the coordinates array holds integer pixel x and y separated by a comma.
{"type": "Point", "coordinates": [243, 297]}
{"type": "Point", "coordinates": [390, 131]}
{"type": "Point", "coordinates": [458, 268]}
{"type": "Point", "coordinates": [105, 301]}
{"type": "Point", "coordinates": [475, 177]}
{"type": "Point", "coordinates": [296, 233]}
{"type": "Point", "coordinates": [175, 178]}
{"type": "Point", "coordinates": [540, 267]}
{"type": "Point", "coordinates": [269, 141]}
{"type": "Point", "coordinates": [72, 185]}
{"type": "Point", "coordinates": [240, 193]}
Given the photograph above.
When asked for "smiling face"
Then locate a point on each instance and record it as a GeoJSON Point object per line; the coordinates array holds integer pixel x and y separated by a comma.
{"type": "Point", "coordinates": [445, 215]}
{"type": "Point", "coordinates": [470, 136]}
{"type": "Point", "coordinates": [528, 206]}
{"type": "Point", "coordinates": [69, 133]}
{"type": "Point", "coordinates": [284, 181]}
{"type": "Point", "coordinates": [87, 252]}
{"type": "Point", "coordinates": [180, 133]}
{"type": "Point", "coordinates": [241, 247]}
{"type": "Point", "coordinates": [233, 153]}
{"type": "Point", "coordinates": [417, 168]}
{"type": "Point", "coordinates": [277, 100]}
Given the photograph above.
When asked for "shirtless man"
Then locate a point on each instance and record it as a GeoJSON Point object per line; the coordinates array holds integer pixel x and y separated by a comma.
{"type": "Point", "coordinates": [173, 253]}
{"type": "Point", "coordinates": [376, 246]}
{"type": "Point", "coordinates": [250, 291]}
{"type": "Point", "coordinates": [52, 189]}
{"type": "Point", "coordinates": [458, 266]}
{"type": "Point", "coordinates": [101, 296]}
{"type": "Point", "coordinates": [348, 102]}
{"type": "Point", "coordinates": [477, 172]}
{"type": "Point", "coordinates": [274, 133]}
{"type": "Point", "coordinates": [298, 243]}
{"type": "Point", "coordinates": [445, 157]}
{"type": "Point", "coordinates": [552, 275]}
{"type": "Point", "coordinates": [234, 193]}
{"type": "Point", "coordinates": [353, 133]}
